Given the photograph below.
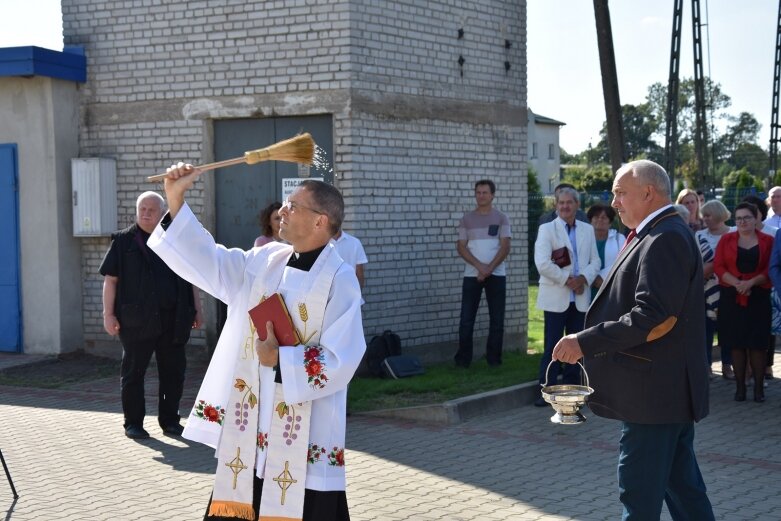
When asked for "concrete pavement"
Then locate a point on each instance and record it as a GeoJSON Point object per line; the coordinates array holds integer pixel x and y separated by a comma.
{"type": "Point", "coordinates": [70, 461]}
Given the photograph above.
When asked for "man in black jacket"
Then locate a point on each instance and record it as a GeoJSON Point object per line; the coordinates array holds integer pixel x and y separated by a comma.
{"type": "Point", "coordinates": [642, 346]}
{"type": "Point", "coordinates": [152, 310]}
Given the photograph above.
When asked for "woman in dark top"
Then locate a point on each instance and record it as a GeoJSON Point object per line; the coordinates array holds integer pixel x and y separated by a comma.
{"type": "Point", "coordinates": [741, 264]}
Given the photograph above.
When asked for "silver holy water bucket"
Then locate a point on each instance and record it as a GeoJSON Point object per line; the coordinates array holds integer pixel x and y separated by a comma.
{"type": "Point", "coordinates": [566, 400]}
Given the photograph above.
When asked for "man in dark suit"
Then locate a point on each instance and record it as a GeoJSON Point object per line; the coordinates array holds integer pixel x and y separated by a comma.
{"type": "Point", "coordinates": [642, 346]}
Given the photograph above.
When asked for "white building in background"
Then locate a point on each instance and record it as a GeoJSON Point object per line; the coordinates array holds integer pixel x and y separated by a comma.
{"type": "Point", "coordinates": [544, 151]}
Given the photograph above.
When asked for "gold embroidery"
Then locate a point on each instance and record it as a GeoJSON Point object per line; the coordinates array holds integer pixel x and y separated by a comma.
{"type": "Point", "coordinates": [284, 480]}
{"type": "Point", "coordinates": [304, 315]}
{"type": "Point", "coordinates": [662, 329]}
{"type": "Point", "coordinates": [249, 342]}
{"type": "Point", "coordinates": [236, 465]}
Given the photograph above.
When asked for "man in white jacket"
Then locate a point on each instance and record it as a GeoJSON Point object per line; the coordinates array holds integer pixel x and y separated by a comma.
{"type": "Point", "coordinates": [564, 293]}
{"type": "Point", "coordinates": [275, 414]}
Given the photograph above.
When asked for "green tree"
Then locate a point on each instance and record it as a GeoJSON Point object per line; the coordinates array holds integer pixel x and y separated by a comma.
{"type": "Point", "coordinates": [533, 211]}
{"type": "Point", "coordinates": [597, 179]}
{"type": "Point", "coordinates": [745, 129]}
{"type": "Point", "coordinates": [751, 157]}
{"type": "Point", "coordinates": [715, 100]}
{"type": "Point", "coordinates": [639, 127]}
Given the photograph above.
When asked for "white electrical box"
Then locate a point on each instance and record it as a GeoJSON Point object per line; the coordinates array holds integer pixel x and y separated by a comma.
{"type": "Point", "coordinates": [94, 182]}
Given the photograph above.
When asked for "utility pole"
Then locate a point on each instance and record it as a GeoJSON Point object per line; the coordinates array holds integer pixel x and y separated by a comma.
{"type": "Point", "coordinates": [673, 87]}
{"type": "Point", "coordinates": [607, 64]}
{"type": "Point", "coordinates": [774, 115]}
{"type": "Point", "coordinates": [701, 128]}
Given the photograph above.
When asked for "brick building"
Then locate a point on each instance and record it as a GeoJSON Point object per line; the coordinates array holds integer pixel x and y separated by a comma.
{"type": "Point", "coordinates": [412, 101]}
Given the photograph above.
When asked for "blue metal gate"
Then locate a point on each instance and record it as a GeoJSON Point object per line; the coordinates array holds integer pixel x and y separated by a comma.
{"type": "Point", "coordinates": [10, 311]}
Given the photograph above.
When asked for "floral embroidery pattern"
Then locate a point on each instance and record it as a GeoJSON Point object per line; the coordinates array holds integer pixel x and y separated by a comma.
{"type": "Point", "coordinates": [248, 401]}
{"type": "Point", "coordinates": [262, 441]}
{"type": "Point", "coordinates": [315, 367]}
{"type": "Point", "coordinates": [209, 412]}
{"type": "Point", "coordinates": [314, 453]}
{"type": "Point", "coordinates": [336, 457]}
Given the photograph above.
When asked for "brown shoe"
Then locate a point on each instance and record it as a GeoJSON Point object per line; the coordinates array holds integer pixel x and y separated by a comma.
{"type": "Point", "coordinates": [726, 372]}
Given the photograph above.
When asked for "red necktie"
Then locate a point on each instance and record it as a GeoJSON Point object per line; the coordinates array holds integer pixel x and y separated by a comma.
{"type": "Point", "coordinates": [631, 235]}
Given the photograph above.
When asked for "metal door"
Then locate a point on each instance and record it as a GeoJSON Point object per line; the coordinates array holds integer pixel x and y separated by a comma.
{"type": "Point", "coordinates": [242, 191]}
{"type": "Point", "coordinates": [10, 310]}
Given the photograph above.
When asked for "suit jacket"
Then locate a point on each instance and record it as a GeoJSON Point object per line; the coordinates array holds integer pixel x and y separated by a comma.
{"type": "Point", "coordinates": [644, 332]}
{"type": "Point", "coordinates": [554, 295]}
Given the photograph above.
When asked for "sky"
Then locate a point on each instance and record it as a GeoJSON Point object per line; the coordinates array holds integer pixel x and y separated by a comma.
{"type": "Point", "coordinates": [563, 60]}
{"type": "Point", "coordinates": [562, 57]}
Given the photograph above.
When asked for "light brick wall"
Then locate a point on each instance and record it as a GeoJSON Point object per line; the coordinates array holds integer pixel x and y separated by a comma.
{"type": "Point", "coordinates": [411, 134]}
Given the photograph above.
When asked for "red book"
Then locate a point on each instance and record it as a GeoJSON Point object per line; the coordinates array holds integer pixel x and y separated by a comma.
{"type": "Point", "coordinates": [273, 309]}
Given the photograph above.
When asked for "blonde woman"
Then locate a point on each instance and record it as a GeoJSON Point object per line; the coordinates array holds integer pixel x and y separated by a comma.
{"type": "Point", "coordinates": [691, 201]}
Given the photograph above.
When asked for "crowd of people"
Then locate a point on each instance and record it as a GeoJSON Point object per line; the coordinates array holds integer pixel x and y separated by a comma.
{"type": "Point", "coordinates": [741, 266]}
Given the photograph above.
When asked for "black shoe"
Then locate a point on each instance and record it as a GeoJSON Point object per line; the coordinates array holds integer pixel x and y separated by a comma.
{"type": "Point", "coordinates": [462, 365]}
{"type": "Point", "coordinates": [173, 430]}
{"type": "Point", "coordinates": [759, 397]}
{"type": "Point", "coordinates": [136, 432]}
{"type": "Point", "coordinates": [540, 402]}
{"type": "Point", "coordinates": [740, 397]}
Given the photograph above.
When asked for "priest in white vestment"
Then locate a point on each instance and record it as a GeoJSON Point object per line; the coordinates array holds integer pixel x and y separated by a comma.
{"type": "Point", "coordinates": [275, 414]}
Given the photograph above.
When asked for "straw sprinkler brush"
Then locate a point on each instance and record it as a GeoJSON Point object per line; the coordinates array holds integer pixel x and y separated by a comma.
{"type": "Point", "coordinates": [297, 149]}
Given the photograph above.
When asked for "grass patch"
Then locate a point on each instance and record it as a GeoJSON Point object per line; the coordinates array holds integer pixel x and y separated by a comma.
{"type": "Point", "coordinates": [441, 382]}
{"type": "Point", "coordinates": [60, 372]}
{"type": "Point", "coordinates": [445, 381]}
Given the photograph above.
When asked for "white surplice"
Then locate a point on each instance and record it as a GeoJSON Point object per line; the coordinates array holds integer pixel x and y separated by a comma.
{"type": "Point", "coordinates": [234, 276]}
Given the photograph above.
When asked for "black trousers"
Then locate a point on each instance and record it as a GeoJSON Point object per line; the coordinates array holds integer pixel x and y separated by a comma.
{"type": "Point", "coordinates": [171, 364]}
{"type": "Point", "coordinates": [471, 292]}
{"type": "Point", "coordinates": [318, 505]}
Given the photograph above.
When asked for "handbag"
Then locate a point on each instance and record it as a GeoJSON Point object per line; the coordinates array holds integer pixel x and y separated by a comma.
{"type": "Point", "coordinates": [560, 257]}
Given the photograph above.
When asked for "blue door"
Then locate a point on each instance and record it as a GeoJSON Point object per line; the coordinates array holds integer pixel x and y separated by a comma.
{"type": "Point", "coordinates": [10, 311]}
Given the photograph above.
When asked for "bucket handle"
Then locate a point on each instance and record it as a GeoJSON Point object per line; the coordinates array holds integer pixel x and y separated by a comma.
{"type": "Point", "coordinates": [551, 363]}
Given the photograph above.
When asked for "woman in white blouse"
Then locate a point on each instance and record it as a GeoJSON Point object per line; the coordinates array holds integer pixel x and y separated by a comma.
{"type": "Point", "coordinates": [609, 241]}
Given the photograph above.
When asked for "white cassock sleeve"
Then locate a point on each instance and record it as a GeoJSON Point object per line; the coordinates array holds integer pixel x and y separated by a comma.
{"type": "Point", "coordinates": [191, 252]}
{"type": "Point", "coordinates": [339, 351]}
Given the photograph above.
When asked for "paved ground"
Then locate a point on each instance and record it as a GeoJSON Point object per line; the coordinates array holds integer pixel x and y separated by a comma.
{"type": "Point", "coordinates": [70, 461]}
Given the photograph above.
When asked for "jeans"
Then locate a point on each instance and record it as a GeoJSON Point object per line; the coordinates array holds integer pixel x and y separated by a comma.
{"type": "Point", "coordinates": [472, 290]}
{"type": "Point", "coordinates": [571, 320]}
{"type": "Point", "coordinates": [657, 465]}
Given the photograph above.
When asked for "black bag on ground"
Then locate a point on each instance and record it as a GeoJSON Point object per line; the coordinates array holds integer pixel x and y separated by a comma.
{"type": "Point", "coordinates": [379, 348]}
{"type": "Point", "coordinates": [401, 366]}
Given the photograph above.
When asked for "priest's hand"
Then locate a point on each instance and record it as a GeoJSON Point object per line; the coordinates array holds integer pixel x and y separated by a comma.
{"type": "Point", "coordinates": [181, 176]}
{"type": "Point", "coordinates": [567, 350]}
{"type": "Point", "coordinates": [268, 349]}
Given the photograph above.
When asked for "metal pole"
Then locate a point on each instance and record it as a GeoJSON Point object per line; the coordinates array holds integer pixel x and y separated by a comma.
{"type": "Point", "coordinates": [8, 475]}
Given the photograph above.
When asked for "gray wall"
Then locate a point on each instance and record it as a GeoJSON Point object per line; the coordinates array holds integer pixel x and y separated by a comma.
{"type": "Point", "coordinates": [44, 113]}
{"type": "Point", "coordinates": [411, 134]}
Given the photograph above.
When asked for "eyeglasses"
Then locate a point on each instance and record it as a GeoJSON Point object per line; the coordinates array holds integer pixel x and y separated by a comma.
{"type": "Point", "coordinates": [290, 206]}
{"type": "Point", "coordinates": [747, 218]}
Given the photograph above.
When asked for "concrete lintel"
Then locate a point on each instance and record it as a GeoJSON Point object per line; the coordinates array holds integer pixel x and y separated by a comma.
{"type": "Point", "coordinates": [409, 107]}
{"type": "Point", "coordinates": [219, 107]}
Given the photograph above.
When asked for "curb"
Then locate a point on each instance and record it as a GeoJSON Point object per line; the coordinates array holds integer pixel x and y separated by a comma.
{"type": "Point", "coordinates": [457, 411]}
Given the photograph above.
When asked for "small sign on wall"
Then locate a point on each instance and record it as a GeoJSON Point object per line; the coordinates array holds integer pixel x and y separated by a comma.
{"type": "Point", "coordinates": [289, 185]}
